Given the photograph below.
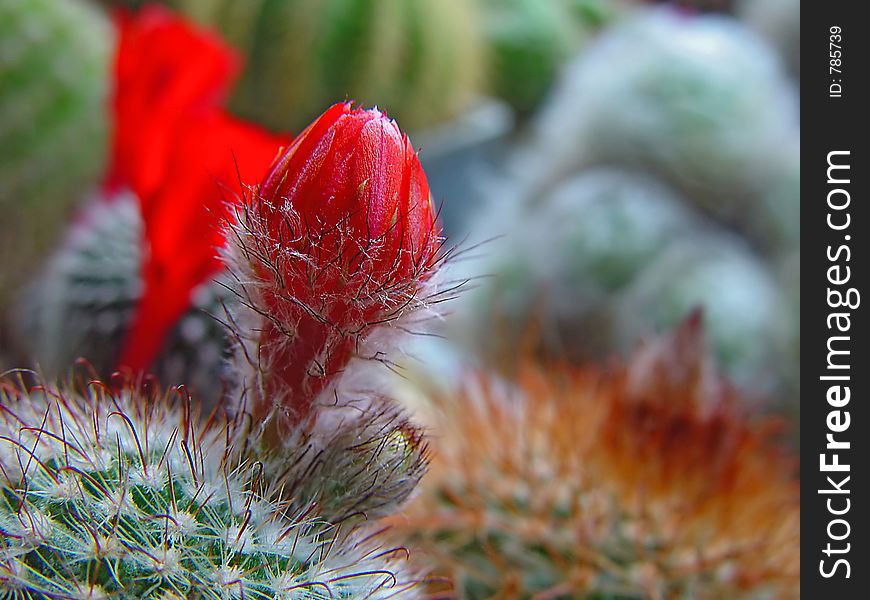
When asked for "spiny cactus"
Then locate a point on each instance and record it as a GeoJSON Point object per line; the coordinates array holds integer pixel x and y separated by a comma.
{"type": "Point", "coordinates": [321, 272]}
{"type": "Point", "coordinates": [421, 59]}
{"type": "Point", "coordinates": [82, 303]}
{"type": "Point", "coordinates": [118, 493]}
{"type": "Point", "coordinates": [699, 100]}
{"type": "Point", "coordinates": [54, 64]}
{"type": "Point", "coordinates": [638, 481]}
{"type": "Point", "coordinates": [116, 490]}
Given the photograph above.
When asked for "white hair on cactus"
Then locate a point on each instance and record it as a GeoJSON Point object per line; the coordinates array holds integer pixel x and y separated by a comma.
{"type": "Point", "coordinates": [155, 504]}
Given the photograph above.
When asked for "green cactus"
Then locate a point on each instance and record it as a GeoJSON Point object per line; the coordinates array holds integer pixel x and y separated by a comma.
{"type": "Point", "coordinates": [562, 260]}
{"type": "Point", "coordinates": [699, 100]}
{"type": "Point", "coordinates": [54, 63]}
{"type": "Point", "coordinates": [529, 40]}
{"type": "Point", "coordinates": [746, 311]}
{"type": "Point", "coordinates": [116, 493]}
{"type": "Point", "coordinates": [421, 60]}
{"type": "Point", "coordinates": [608, 256]}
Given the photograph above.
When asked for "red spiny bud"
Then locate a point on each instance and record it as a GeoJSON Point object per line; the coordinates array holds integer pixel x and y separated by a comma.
{"type": "Point", "coordinates": [339, 237]}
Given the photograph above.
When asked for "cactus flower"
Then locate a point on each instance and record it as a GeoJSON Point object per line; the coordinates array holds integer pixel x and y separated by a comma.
{"type": "Point", "coordinates": [183, 156]}
{"type": "Point", "coordinates": [341, 235]}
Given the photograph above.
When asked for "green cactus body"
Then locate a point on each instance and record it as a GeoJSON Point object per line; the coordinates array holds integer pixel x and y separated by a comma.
{"type": "Point", "coordinates": [419, 60]}
{"type": "Point", "coordinates": [120, 494]}
{"type": "Point", "coordinates": [700, 101]}
{"type": "Point", "coordinates": [54, 62]}
{"type": "Point", "coordinates": [610, 256]}
{"type": "Point", "coordinates": [529, 40]}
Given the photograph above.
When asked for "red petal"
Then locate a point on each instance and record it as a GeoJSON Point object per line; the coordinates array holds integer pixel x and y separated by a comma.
{"type": "Point", "coordinates": [165, 71]}
{"type": "Point", "coordinates": [182, 156]}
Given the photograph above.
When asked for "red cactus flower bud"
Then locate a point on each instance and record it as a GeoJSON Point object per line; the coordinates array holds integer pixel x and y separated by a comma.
{"type": "Point", "coordinates": [339, 237]}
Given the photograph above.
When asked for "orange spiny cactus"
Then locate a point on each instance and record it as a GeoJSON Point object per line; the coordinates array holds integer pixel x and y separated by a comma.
{"type": "Point", "coordinates": [644, 480]}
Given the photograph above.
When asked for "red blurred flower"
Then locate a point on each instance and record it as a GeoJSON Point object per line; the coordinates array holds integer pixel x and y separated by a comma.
{"type": "Point", "coordinates": [340, 235]}
{"type": "Point", "coordinates": [182, 155]}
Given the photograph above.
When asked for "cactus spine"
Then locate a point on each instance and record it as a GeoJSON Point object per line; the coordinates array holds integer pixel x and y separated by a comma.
{"type": "Point", "coordinates": [640, 481]}
{"type": "Point", "coordinates": [118, 493]}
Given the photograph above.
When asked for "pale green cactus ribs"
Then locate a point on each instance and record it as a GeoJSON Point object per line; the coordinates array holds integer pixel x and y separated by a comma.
{"type": "Point", "coordinates": [421, 60]}
{"type": "Point", "coordinates": [701, 102]}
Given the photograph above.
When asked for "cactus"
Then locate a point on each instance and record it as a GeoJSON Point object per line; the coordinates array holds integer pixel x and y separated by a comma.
{"type": "Point", "coordinates": [54, 63]}
{"type": "Point", "coordinates": [82, 305]}
{"type": "Point", "coordinates": [120, 490]}
{"type": "Point", "coordinates": [748, 328]}
{"type": "Point", "coordinates": [562, 258]}
{"type": "Point", "coordinates": [699, 100]}
{"type": "Point", "coordinates": [608, 256]}
{"type": "Point", "coordinates": [420, 60]}
{"type": "Point", "coordinates": [643, 480]}
{"type": "Point", "coordinates": [530, 40]}
{"type": "Point", "coordinates": [119, 493]}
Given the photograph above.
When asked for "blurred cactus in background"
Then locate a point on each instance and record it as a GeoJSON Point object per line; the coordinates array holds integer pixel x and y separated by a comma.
{"type": "Point", "coordinates": [54, 64]}
{"type": "Point", "coordinates": [555, 262]}
{"type": "Point", "coordinates": [608, 256]}
{"type": "Point", "coordinates": [529, 40]}
{"type": "Point", "coordinates": [662, 174]}
{"type": "Point", "coordinates": [643, 480]}
{"type": "Point", "coordinates": [750, 332]}
{"type": "Point", "coordinates": [698, 100]}
{"type": "Point", "coordinates": [422, 60]}
{"type": "Point", "coordinates": [82, 304]}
